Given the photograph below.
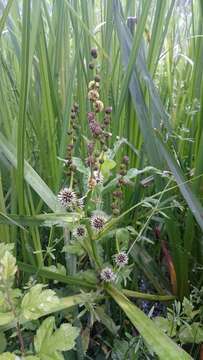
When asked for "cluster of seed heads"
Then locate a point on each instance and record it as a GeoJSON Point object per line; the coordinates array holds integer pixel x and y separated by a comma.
{"type": "Point", "coordinates": [121, 260]}
{"type": "Point", "coordinates": [121, 182]}
{"type": "Point", "coordinates": [99, 130]}
{"type": "Point", "coordinates": [71, 168]}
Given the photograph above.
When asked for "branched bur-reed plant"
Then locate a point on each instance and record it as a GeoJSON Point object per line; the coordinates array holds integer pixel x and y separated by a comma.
{"type": "Point", "coordinates": [92, 202]}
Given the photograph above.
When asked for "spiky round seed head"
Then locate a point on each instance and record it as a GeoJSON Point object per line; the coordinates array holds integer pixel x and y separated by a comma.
{"type": "Point", "coordinates": [73, 167]}
{"type": "Point", "coordinates": [116, 212]}
{"type": "Point", "coordinates": [106, 121]}
{"type": "Point", "coordinates": [75, 126]}
{"type": "Point", "coordinates": [76, 106]}
{"type": "Point", "coordinates": [108, 275]}
{"type": "Point", "coordinates": [113, 205]}
{"type": "Point", "coordinates": [67, 198]}
{"type": "Point", "coordinates": [91, 116]}
{"type": "Point", "coordinates": [108, 110]}
{"type": "Point", "coordinates": [101, 161]}
{"type": "Point", "coordinates": [98, 220]}
{"type": "Point", "coordinates": [94, 53]}
{"type": "Point", "coordinates": [93, 95]}
{"type": "Point", "coordinates": [80, 232]}
{"type": "Point", "coordinates": [121, 181]}
{"type": "Point", "coordinates": [97, 153]}
{"type": "Point", "coordinates": [126, 159]}
{"type": "Point", "coordinates": [91, 85]}
{"type": "Point", "coordinates": [90, 148]}
{"type": "Point", "coordinates": [91, 66]}
{"type": "Point", "coordinates": [92, 183]}
{"type": "Point", "coordinates": [70, 147]}
{"type": "Point", "coordinates": [97, 78]}
{"type": "Point", "coordinates": [99, 106]}
{"type": "Point", "coordinates": [73, 115]}
{"type": "Point", "coordinates": [69, 132]}
{"type": "Point", "coordinates": [123, 172]}
{"type": "Point", "coordinates": [97, 130]}
{"type": "Point", "coordinates": [121, 259]}
{"type": "Point", "coordinates": [117, 194]}
{"type": "Point", "coordinates": [102, 141]}
{"type": "Point", "coordinates": [122, 166]}
{"type": "Point", "coordinates": [105, 148]}
{"type": "Point", "coordinates": [90, 160]}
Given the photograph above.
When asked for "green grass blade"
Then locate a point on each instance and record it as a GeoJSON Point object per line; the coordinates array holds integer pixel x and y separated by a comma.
{"type": "Point", "coordinates": [160, 343]}
{"type": "Point", "coordinates": [23, 103]}
{"type": "Point", "coordinates": [33, 179]}
{"type": "Point", "coordinates": [192, 201]}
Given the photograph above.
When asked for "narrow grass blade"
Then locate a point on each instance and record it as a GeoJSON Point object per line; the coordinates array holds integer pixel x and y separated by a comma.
{"type": "Point", "coordinates": [189, 196]}
{"type": "Point", "coordinates": [46, 220]}
{"type": "Point", "coordinates": [23, 103]}
{"type": "Point", "coordinates": [5, 15]}
{"type": "Point", "coordinates": [33, 179]}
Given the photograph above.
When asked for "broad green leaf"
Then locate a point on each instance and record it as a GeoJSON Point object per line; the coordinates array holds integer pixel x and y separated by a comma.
{"type": "Point", "coordinates": [8, 269]}
{"type": "Point", "coordinates": [39, 301]}
{"type": "Point", "coordinates": [107, 165]}
{"type": "Point", "coordinates": [3, 342]}
{"type": "Point", "coordinates": [6, 318]}
{"type": "Point", "coordinates": [49, 342]}
{"type": "Point", "coordinates": [189, 334]}
{"type": "Point", "coordinates": [160, 343]}
{"type": "Point", "coordinates": [80, 166]}
{"type": "Point", "coordinates": [166, 325]}
{"type": "Point", "coordinates": [4, 248]}
{"type": "Point", "coordinates": [9, 356]}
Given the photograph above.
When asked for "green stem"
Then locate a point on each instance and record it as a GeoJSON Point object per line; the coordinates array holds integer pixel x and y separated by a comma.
{"type": "Point", "coordinates": [150, 297]}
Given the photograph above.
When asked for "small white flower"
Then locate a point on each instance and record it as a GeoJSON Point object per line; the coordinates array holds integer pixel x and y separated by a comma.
{"type": "Point", "coordinates": [80, 232]}
{"type": "Point", "coordinates": [108, 275]}
{"type": "Point", "coordinates": [98, 220]}
{"type": "Point", "coordinates": [121, 259]}
{"type": "Point", "coordinates": [67, 198]}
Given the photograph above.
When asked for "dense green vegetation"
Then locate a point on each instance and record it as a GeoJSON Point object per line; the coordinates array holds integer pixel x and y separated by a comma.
{"type": "Point", "coordinates": [101, 165]}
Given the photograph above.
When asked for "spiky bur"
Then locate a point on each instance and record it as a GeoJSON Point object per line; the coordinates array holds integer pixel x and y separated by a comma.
{"type": "Point", "coordinates": [121, 259]}
{"type": "Point", "coordinates": [108, 275]}
{"type": "Point", "coordinates": [80, 232]}
{"type": "Point", "coordinates": [67, 198]}
{"type": "Point", "coordinates": [98, 221]}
